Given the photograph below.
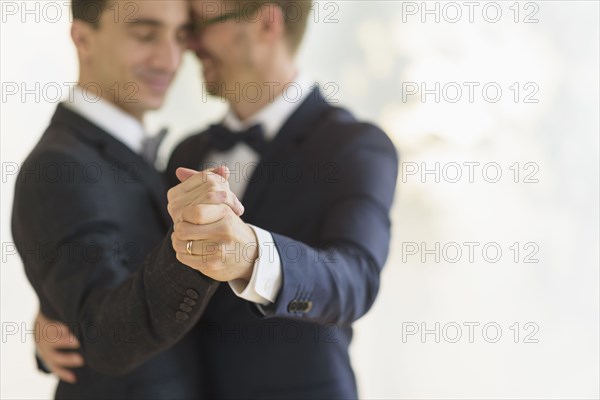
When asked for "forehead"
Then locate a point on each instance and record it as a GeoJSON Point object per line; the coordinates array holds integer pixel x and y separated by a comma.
{"type": "Point", "coordinates": [162, 11]}
{"type": "Point", "coordinates": [212, 7]}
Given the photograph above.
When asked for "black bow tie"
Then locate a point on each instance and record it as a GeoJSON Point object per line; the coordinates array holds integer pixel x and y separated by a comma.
{"type": "Point", "coordinates": [223, 139]}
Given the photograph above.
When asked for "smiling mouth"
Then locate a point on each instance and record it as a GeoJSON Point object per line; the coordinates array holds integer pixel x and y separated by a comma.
{"type": "Point", "coordinates": [159, 85]}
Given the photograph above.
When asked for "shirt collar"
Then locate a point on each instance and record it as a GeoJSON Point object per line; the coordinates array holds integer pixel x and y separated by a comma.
{"type": "Point", "coordinates": [119, 124]}
{"type": "Point", "coordinates": [276, 113]}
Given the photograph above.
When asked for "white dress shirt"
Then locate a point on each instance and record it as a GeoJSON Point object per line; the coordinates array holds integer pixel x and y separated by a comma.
{"type": "Point", "coordinates": [119, 124]}
{"type": "Point", "coordinates": [265, 283]}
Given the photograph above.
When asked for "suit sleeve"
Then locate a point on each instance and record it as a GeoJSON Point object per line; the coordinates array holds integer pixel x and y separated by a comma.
{"type": "Point", "coordinates": [66, 235]}
{"type": "Point", "coordinates": [336, 278]}
{"type": "Point", "coordinates": [41, 365]}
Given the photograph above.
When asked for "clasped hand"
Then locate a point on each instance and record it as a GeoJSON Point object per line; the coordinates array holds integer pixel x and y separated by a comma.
{"type": "Point", "coordinates": [208, 233]}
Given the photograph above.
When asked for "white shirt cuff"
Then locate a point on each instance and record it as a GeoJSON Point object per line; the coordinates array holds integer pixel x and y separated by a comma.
{"type": "Point", "coordinates": [265, 282]}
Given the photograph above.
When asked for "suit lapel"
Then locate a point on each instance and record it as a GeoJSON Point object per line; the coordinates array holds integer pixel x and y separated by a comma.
{"type": "Point", "coordinates": [130, 167]}
{"type": "Point", "coordinates": [283, 146]}
{"type": "Point", "coordinates": [279, 150]}
{"type": "Point", "coordinates": [199, 151]}
{"type": "Point", "coordinates": [134, 166]}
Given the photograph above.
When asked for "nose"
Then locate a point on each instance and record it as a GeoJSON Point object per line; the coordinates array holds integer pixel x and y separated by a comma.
{"type": "Point", "coordinates": [168, 54]}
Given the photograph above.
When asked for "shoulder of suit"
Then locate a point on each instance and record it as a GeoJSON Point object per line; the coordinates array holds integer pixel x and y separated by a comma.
{"type": "Point", "coordinates": [57, 144]}
{"type": "Point", "coordinates": [340, 125]}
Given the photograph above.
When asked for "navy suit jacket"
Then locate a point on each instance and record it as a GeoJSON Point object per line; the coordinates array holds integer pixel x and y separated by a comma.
{"type": "Point", "coordinates": [89, 220]}
{"type": "Point", "coordinates": [323, 188]}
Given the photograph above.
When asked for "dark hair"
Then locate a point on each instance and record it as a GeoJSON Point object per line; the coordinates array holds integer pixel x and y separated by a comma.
{"type": "Point", "coordinates": [89, 11]}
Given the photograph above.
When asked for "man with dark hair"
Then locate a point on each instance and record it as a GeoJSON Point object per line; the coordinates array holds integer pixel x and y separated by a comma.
{"type": "Point", "coordinates": [89, 192]}
{"type": "Point", "coordinates": [89, 11]}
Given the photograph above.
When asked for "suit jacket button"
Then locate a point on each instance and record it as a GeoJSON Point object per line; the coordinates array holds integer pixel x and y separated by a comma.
{"type": "Point", "coordinates": [308, 306]}
{"type": "Point", "coordinates": [185, 307]}
{"type": "Point", "coordinates": [293, 306]}
{"type": "Point", "coordinates": [192, 294]}
{"type": "Point", "coordinates": [180, 315]}
{"type": "Point", "coordinates": [189, 301]}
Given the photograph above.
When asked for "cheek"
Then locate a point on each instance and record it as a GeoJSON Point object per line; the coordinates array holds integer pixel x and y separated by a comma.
{"type": "Point", "coordinates": [247, 53]}
{"type": "Point", "coordinates": [119, 59]}
{"type": "Point", "coordinates": [133, 58]}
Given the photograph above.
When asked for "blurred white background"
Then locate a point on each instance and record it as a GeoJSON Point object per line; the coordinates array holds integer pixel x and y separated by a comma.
{"type": "Point", "coordinates": [541, 319]}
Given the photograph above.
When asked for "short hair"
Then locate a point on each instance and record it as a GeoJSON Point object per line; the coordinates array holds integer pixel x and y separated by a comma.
{"type": "Point", "coordinates": [295, 14]}
{"type": "Point", "coordinates": [89, 11]}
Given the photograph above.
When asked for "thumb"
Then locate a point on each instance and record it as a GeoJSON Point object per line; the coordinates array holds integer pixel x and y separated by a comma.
{"type": "Point", "coordinates": [184, 173]}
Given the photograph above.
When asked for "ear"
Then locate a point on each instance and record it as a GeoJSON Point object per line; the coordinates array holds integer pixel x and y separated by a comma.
{"type": "Point", "coordinates": [81, 34]}
{"type": "Point", "coordinates": [271, 23]}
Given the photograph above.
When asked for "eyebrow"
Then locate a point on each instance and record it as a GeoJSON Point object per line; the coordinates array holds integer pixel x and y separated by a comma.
{"type": "Point", "coordinates": [154, 23]}
{"type": "Point", "coordinates": [137, 22]}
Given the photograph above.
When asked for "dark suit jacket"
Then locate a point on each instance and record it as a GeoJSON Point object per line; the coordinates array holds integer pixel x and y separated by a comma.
{"type": "Point", "coordinates": [87, 213]}
{"type": "Point", "coordinates": [323, 188]}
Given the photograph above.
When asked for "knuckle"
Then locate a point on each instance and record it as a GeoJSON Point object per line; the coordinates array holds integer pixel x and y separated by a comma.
{"type": "Point", "coordinates": [199, 214]}
{"type": "Point", "coordinates": [217, 196]}
{"type": "Point", "coordinates": [178, 230]}
{"type": "Point", "coordinates": [184, 231]}
{"type": "Point", "coordinates": [205, 173]}
{"type": "Point", "coordinates": [212, 197]}
{"type": "Point", "coordinates": [171, 194]}
{"type": "Point", "coordinates": [227, 196]}
{"type": "Point", "coordinates": [210, 179]}
{"type": "Point", "coordinates": [217, 187]}
{"type": "Point", "coordinates": [221, 178]}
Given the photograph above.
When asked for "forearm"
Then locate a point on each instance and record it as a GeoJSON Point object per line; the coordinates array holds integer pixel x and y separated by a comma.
{"type": "Point", "coordinates": [335, 284]}
{"type": "Point", "coordinates": [121, 326]}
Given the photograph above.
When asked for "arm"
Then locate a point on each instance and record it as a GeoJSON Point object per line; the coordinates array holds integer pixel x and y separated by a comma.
{"type": "Point", "coordinates": [120, 318]}
{"type": "Point", "coordinates": [335, 279]}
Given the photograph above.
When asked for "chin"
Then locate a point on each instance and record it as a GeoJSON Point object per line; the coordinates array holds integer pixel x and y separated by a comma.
{"type": "Point", "coordinates": [154, 105]}
{"type": "Point", "coordinates": [152, 102]}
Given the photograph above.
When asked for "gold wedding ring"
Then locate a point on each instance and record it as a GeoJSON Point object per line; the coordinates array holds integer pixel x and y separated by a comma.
{"type": "Point", "coordinates": [188, 247]}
